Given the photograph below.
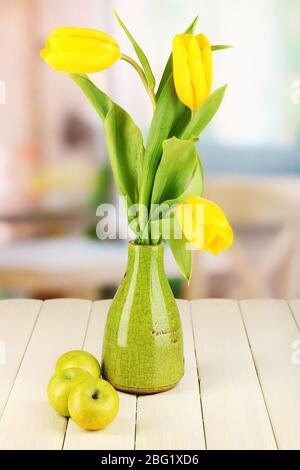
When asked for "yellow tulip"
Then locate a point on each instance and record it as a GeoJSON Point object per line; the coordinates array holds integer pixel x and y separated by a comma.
{"type": "Point", "coordinates": [80, 50]}
{"type": "Point", "coordinates": [204, 225]}
{"type": "Point", "coordinates": [192, 68]}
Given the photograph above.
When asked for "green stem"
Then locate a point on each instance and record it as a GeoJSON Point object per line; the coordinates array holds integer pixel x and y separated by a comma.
{"type": "Point", "coordinates": [145, 200]}
{"type": "Point", "coordinates": [145, 239]}
{"type": "Point", "coordinates": [141, 73]}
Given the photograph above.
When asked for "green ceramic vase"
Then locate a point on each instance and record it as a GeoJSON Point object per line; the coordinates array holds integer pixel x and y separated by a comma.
{"type": "Point", "coordinates": [143, 346]}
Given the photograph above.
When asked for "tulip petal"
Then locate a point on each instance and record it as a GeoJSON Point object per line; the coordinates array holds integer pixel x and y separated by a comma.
{"type": "Point", "coordinates": [74, 32]}
{"type": "Point", "coordinates": [80, 50]}
{"type": "Point", "coordinates": [207, 231]}
{"type": "Point", "coordinates": [197, 73]}
{"type": "Point", "coordinates": [192, 68]}
{"type": "Point", "coordinates": [182, 77]}
{"type": "Point", "coordinates": [190, 218]}
{"type": "Point", "coordinates": [207, 60]}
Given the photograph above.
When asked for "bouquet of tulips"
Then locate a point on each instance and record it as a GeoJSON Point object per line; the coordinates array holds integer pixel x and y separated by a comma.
{"type": "Point", "coordinates": [161, 180]}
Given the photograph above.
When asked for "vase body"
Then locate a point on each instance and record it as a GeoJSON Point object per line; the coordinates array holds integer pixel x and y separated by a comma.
{"type": "Point", "coordinates": [143, 345]}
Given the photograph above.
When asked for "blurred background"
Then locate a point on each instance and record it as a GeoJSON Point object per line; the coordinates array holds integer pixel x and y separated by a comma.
{"type": "Point", "coordinates": [54, 168]}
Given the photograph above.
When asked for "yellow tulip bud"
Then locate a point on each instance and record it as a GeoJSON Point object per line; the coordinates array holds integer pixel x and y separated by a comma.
{"type": "Point", "coordinates": [80, 50]}
{"type": "Point", "coordinates": [204, 225]}
{"type": "Point", "coordinates": [192, 68]}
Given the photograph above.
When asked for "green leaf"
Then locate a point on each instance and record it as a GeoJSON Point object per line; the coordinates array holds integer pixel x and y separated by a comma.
{"type": "Point", "coordinates": [182, 255]}
{"type": "Point", "coordinates": [169, 229]}
{"type": "Point", "coordinates": [182, 118]}
{"type": "Point", "coordinates": [194, 188]}
{"type": "Point", "coordinates": [170, 116]}
{"type": "Point", "coordinates": [220, 48]}
{"type": "Point", "coordinates": [100, 101]}
{"type": "Point", "coordinates": [169, 67]}
{"type": "Point", "coordinates": [161, 125]}
{"type": "Point", "coordinates": [140, 53]}
{"type": "Point", "coordinates": [196, 185]}
{"type": "Point", "coordinates": [176, 168]}
{"type": "Point", "coordinates": [125, 148]}
{"type": "Point", "coordinates": [123, 138]}
{"type": "Point", "coordinates": [163, 223]}
{"type": "Point", "coordinates": [179, 176]}
{"type": "Point", "coordinates": [204, 114]}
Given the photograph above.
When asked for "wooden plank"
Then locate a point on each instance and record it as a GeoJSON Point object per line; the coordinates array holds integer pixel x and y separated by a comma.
{"type": "Point", "coordinates": [120, 434]}
{"type": "Point", "coordinates": [272, 331]}
{"type": "Point", "coordinates": [295, 307]}
{"type": "Point", "coordinates": [235, 416]}
{"type": "Point", "coordinates": [173, 420]}
{"type": "Point", "coordinates": [28, 421]}
{"type": "Point", "coordinates": [17, 320]}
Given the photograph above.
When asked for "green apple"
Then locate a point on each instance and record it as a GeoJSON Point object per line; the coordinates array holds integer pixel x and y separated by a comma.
{"type": "Point", "coordinates": [80, 360]}
{"type": "Point", "coordinates": [93, 404]}
{"type": "Point", "coordinates": [60, 386]}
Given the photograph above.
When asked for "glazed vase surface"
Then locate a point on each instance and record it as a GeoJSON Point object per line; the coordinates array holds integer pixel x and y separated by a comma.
{"type": "Point", "coordinates": [143, 344]}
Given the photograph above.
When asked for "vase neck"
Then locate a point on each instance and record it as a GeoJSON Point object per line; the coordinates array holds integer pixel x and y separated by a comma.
{"type": "Point", "coordinates": [146, 257]}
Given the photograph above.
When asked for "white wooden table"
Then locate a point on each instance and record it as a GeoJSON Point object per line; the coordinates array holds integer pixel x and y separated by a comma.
{"type": "Point", "coordinates": [241, 389]}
